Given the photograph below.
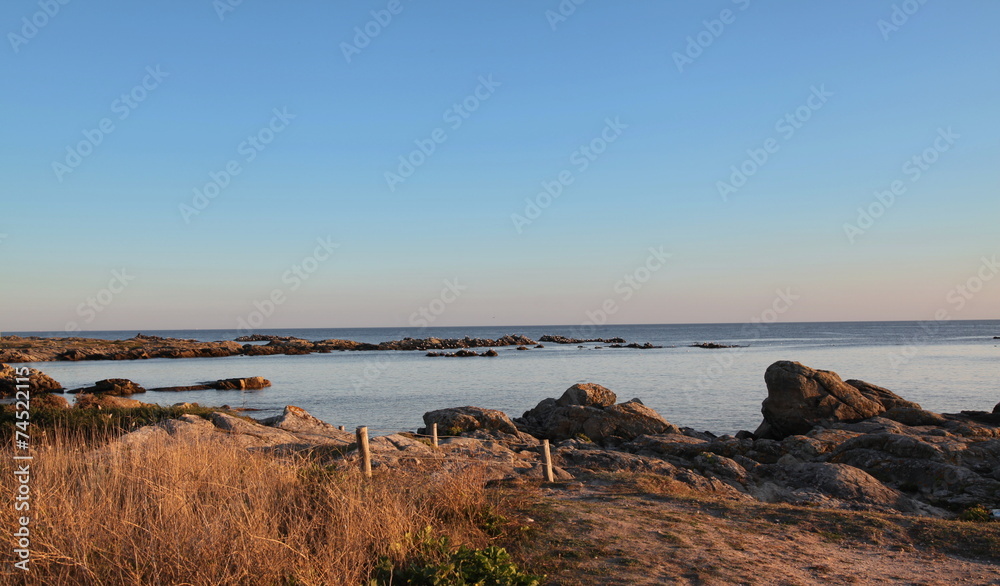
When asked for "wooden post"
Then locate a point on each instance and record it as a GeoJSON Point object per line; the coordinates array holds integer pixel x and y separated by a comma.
{"type": "Point", "coordinates": [434, 434]}
{"type": "Point", "coordinates": [548, 461]}
{"type": "Point", "coordinates": [366, 455]}
{"type": "Point", "coordinates": [340, 427]}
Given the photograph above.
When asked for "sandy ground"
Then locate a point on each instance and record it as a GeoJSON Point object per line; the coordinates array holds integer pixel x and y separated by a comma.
{"type": "Point", "coordinates": [602, 533]}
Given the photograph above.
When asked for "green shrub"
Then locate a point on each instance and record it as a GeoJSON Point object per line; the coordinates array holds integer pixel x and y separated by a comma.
{"type": "Point", "coordinates": [466, 566]}
{"type": "Point", "coordinates": [977, 513]}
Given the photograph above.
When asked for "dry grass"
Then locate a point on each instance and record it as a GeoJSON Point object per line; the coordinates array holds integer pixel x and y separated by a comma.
{"type": "Point", "coordinates": [214, 514]}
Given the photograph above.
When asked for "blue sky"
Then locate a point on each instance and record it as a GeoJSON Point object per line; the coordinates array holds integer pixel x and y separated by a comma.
{"type": "Point", "coordinates": [80, 202]}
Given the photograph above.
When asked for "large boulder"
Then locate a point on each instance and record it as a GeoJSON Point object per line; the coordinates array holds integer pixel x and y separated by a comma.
{"type": "Point", "coordinates": [590, 410]}
{"type": "Point", "coordinates": [38, 381]}
{"type": "Point", "coordinates": [587, 395]}
{"type": "Point", "coordinates": [457, 420]}
{"type": "Point", "coordinates": [799, 398]}
{"type": "Point", "coordinates": [299, 421]}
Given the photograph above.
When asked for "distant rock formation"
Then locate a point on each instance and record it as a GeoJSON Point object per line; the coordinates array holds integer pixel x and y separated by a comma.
{"type": "Point", "coordinates": [565, 340]}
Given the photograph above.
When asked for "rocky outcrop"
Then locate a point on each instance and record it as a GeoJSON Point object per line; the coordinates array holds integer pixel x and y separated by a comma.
{"type": "Point", "coordinates": [48, 401]}
{"type": "Point", "coordinates": [37, 381]}
{"type": "Point", "coordinates": [88, 401]}
{"type": "Point", "coordinates": [117, 387]}
{"type": "Point", "coordinates": [589, 410]}
{"type": "Point", "coordinates": [799, 398]}
{"type": "Point", "coordinates": [292, 431]}
{"type": "Point", "coordinates": [458, 420]}
{"type": "Point", "coordinates": [298, 420]}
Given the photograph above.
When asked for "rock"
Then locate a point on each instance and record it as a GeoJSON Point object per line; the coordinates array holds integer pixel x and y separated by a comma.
{"type": "Point", "coordinates": [565, 340]}
{"type": "Point", "coordinates": [37, 381]}
{"type": "Point", "coordinates": [855, 488]}
{"type": "Point", "coordinates": [103, 401]}
{"type": "Point", "coordinates": [799, 398]}
{"type": "Point", "coordinates": [589, 410]}
{"type": "Point", "coordinates": [298, 420]}
{"type": "Point", "coordinates": [521, 348]}
{"type": "Point", "coordinates": [241, 384]}
{"type": "Point", "coordinates": [491, 352]}
{"type": "Point", "coordinates": [587, 395]}
{"type": "Point", "coordinates": [887, 398]}
{"type": "Point", "coordinates": [913, 417]}
{"type": "Point", "coordinates": [714, 345]}
{"type": "Point", "coordinates": [458, 420]}
{"type": "Point", "coordinates": [112, 386]}
{"type": "Point", "coordinates": [48, 401]}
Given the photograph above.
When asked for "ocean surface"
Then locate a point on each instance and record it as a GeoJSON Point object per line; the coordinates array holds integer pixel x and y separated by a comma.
{"type": "Point", "coordinates": [944, 366]}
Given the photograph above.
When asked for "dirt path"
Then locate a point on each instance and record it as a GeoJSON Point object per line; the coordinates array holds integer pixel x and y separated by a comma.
{"type": "Point", "coordinates": [605, 533]}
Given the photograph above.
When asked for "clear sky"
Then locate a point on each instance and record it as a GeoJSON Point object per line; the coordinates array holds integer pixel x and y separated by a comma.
{"type": "Point", "coordinates": [298, 119]}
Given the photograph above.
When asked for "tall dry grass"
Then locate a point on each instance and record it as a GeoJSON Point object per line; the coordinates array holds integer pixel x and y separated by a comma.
{"type": "Point", "coordinates": [209, 513]}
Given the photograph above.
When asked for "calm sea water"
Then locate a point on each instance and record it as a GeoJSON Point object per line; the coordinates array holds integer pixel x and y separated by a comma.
{"type": "Point", "coordinates": [945, 366]}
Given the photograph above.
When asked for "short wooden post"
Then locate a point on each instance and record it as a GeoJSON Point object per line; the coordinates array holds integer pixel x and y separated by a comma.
{"type": "Point", "coordinates": [434, 434]}
{"type": "Point", "coordinates": [340, 427]}
{"type": "Point", "coordinates": [549, 476]}
{"type": "Point", "coordinates": [366, 455]}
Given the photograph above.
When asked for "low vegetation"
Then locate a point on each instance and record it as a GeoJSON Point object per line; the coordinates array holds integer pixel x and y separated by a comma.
{"type": "Point", "coordinates": [212, 513]}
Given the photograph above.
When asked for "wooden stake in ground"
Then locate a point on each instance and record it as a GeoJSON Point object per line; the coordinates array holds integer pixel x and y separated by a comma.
{"type": "Point", "coordinates": [366, 455]}
{"type": "Point", "coordinates": [434, 434]}
{"type": "Point", "coordinates": [549, 476]}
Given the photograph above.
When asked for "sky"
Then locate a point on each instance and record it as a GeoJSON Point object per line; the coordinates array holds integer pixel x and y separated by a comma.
{"type": "Point", "coordinates": [199, 164]}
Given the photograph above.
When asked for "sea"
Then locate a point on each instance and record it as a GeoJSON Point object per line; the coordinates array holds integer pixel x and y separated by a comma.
{"type": "Point", "coordinates": [945, 366]}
